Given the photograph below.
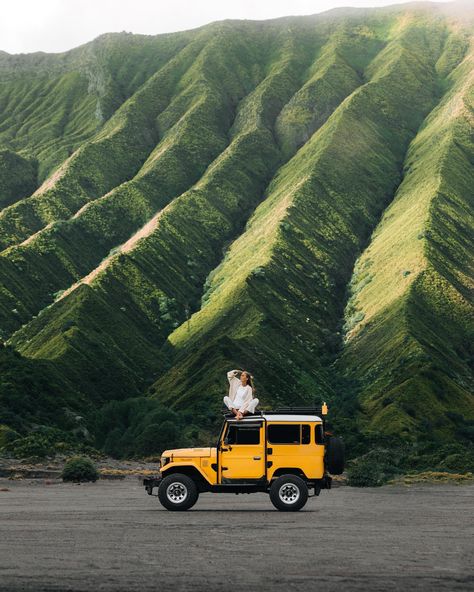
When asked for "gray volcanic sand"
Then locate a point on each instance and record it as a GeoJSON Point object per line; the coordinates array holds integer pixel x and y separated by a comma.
{"type": "Point", "coordinates": [112, 536]}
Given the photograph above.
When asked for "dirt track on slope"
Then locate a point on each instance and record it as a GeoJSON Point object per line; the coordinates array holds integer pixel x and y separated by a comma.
{"type": "Point", "coordinates": [112, 536]}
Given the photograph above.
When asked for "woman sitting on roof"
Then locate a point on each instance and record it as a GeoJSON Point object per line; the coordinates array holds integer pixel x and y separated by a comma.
{"type": "Point", "coordinates": [240, 400]}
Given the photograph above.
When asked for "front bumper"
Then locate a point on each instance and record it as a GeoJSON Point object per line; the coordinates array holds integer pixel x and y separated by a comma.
{"type": "Point", "coordinates": [150, 482]}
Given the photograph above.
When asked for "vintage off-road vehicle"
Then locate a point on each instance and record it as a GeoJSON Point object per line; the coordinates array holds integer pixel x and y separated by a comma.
{"type": "Point", "coordinates": [285, 453]}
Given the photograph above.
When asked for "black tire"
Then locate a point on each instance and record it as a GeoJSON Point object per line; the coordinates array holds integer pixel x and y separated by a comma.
{"type": "Point", "coordinates": [288, 493]}
{"type": "Point", "coordinates": [335, 455]}
{"type": "Point", "coordinates": [178, 492]}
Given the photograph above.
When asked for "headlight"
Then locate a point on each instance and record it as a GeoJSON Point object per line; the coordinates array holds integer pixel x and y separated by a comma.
{"type": "Point", "coordinates": [164, 460]}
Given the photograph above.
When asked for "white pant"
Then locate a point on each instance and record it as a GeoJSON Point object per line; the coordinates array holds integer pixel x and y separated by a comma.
{"type": "Point", "coordinates": [251, 406]}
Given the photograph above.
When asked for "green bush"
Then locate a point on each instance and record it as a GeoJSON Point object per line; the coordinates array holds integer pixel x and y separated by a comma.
{"type": "Point", "coordinates": [79, 469]}
{"type": "Point", "coordinates": [374, 468]}
{"type": "Point", "coordinates": [43, 442]}
{"type": "Point", "coordinates": [461, 462]}
{"type": "Point", "coordinates": [457, 457]}
{"type": "Point", "coordinates": [390, 459]}
{"type": "Point", "coordinates": [33, 446]}
{"type": "Point", "coordinates": [7, 435]}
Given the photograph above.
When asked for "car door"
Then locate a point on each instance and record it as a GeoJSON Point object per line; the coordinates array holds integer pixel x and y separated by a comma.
{"type": "Point", "coordinates": [290, 447]}
{"type": "Point", "coordinates": [242, 452]}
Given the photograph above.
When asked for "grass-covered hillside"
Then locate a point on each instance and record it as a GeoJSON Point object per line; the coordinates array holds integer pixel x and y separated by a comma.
{"type": "Point", "coordinates": [291, 196]}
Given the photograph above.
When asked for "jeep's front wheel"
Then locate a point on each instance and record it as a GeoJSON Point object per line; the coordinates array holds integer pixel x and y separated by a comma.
{"type": "Point", "coordinates": [178, 492]}
{"type": "Point", "coordinates": [289, 493]}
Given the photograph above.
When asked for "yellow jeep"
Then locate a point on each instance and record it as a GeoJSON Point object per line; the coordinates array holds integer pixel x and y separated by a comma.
{"type": "Point", "coordinates": [284, 453]}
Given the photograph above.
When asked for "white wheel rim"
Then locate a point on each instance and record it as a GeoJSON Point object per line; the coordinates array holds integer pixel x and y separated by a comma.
{"type": "Point", "coordinates": [289, 493]}
{"type": "Point", "coordinates": [176, 492]}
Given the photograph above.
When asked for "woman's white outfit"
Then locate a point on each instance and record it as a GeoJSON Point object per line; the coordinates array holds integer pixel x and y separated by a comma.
{"type": "Point", "coordinates": [240, 397]}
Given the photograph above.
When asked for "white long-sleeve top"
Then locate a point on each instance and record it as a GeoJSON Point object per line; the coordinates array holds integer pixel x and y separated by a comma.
{"type": "Point", "coordinates": [235, 386]}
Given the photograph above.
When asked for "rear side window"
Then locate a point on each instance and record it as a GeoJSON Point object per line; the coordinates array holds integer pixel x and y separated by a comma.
{"type": "Point", "coordinates": [319, 434]}
{"type": "Point", "coordinates": [292, 433]}
{"type": "Point", "coordinates": [243, 434]}
{"type": "Point", "coordinates": [305, 434]}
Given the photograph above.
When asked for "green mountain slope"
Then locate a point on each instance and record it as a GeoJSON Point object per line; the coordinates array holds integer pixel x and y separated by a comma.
{"type": "Point", "coordinates": [282, 282]}
{"type": "Point", "coordinates": [51, 104]}
{"type": "Point", "coordinates": [175, 137]}
{"type": "Point", "coordinates": [293, 196]}
{"type": "Point", "coordinates": [410, 327]}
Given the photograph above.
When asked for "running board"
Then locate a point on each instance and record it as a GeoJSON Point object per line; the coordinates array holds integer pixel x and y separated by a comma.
{"type": "Point", "coordinates": [239, 488]}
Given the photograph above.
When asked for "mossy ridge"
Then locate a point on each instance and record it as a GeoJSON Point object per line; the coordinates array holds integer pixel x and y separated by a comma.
{"type": "Point", "coordinates": [106, 351]}
{"type": "Point", "coordinates": [129, 60]}
{"type": "Point", "coordinates": [411, 364]}
{"type": "Point", "coordinates": [337, 69]}
{"type": "Point", "coordinates": [52, 103]}
{"type": "Point", "coordinates": [37, 110]}
{"type": "Point", "coordinates": [222, 175]}
{"type": "Point", "coordinates": [293, 239]}
{"type": "Point", "coordinates": [217, 205]}
{"type": "Point", "coordinates": [195, 127]}
{"type": "Point", "coordinates": [114, 155]}
{"type": "Point", "coordinates": [411, 347]}
{"type": "Point", "coordinates": [160, 275]}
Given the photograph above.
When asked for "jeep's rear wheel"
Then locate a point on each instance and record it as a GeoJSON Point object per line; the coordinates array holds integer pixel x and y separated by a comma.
{"type": "Point", "coordinates": [178, 492]}
{"type": "Point", "coordinates": [289, 493]}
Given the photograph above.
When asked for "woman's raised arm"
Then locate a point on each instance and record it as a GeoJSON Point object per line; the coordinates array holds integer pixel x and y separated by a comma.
{"type": "Point", "coordinates": [231, 375]}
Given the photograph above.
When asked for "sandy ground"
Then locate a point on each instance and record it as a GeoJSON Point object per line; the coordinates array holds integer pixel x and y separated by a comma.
{"type": "Point", "coordinates": [112, 536]}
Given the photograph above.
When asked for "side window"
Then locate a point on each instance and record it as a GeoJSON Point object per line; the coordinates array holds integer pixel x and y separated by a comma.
{"type": "Point", "coordinates": [284, 434]}
{"type": "Point", "coordinates": [305, 434]}
{"type": "Point", "coordinates": [318, 434]}
{"type": "Point", "coordinates": [245, 434]}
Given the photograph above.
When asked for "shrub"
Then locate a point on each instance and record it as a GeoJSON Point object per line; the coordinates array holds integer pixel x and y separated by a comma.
{"type": "Point", "coordinates": [7, 435]}
{"type": "Point", "coordinates": [374, 468]}
{"type": "Point", "coordinates": [79, 469]}
{"type": "Point", "coordinates": [365, 475]}
{"type": "Point", "coordinates": [44, 441]}
{"type": "Point", "coordinates": [32, 446]}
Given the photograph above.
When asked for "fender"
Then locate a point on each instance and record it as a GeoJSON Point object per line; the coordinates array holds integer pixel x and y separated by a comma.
{"type": "Point", "coordinates": [186, 469]}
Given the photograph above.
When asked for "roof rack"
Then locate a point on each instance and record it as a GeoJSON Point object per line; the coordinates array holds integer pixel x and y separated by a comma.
{"type": "Point", "coordinates": [321, 410]}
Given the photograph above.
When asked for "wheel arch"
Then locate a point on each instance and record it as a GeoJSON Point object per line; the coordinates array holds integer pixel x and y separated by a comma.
{"type": "Point", "coordinates": [288, 471]}
{"type": "Point", "coordinates": [190, 471]}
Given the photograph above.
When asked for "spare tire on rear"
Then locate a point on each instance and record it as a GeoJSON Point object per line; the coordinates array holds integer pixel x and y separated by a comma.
{"type": "Point", "coordinates": [335, 455]}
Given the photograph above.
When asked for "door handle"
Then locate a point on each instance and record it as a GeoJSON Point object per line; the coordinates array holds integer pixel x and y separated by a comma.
{"type": "Point", "coordinates": [257, 458]}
